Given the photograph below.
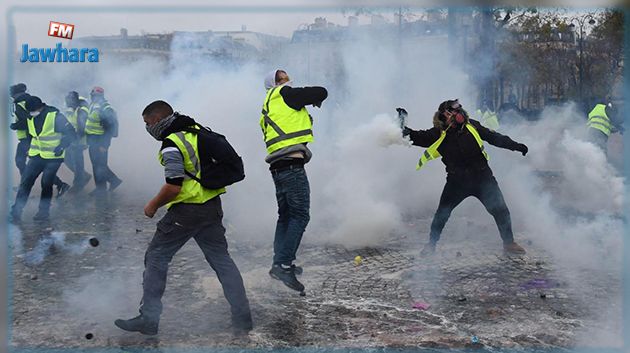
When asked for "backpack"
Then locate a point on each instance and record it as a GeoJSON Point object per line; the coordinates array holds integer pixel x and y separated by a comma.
{"type": "Point", "coordinates": [220, 164]}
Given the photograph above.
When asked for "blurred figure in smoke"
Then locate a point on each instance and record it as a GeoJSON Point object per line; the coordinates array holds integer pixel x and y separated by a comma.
{"type": "Point", "coordinates": [20, 118]}
{"type": "Point", "coordinates": [487, 116]}
{"type": "Point", "coordinates": [458, 140]}
{"type": "Point", "coordinates": [101, 127]}
{"type": "Point", "coordinates": [51, 134]}
{"type": "Point", "coordinates": [603, 120]}
{"type": "Point", "coordinates": [77, 112]}
{"type": "Point", "coordinates": [509, 111]}
{"type": "Point", "coordinates": [287, 129]}
{"type": "Point", "coordinates": [193, 212]}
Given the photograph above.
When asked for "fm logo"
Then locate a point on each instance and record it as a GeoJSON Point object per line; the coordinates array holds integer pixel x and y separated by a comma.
{"type": "Point", "coordinates": [60, 30]}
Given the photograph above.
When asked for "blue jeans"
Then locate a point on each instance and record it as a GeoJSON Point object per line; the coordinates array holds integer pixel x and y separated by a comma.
{"type": "Point", "coordinates": [34, 167]}
{"type": "Point", "coordinates": [293, 195]}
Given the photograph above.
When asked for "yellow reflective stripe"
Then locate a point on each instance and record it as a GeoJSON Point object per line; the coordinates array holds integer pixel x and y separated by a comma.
{"type": "Point", "coordinates": [475, 134]}
{"type": "Point", "coordinates": [431, 152]}
{"type": "Point", "coordinates": [288, 136]}
{"type": "Point", "coordinates": [191, 152]}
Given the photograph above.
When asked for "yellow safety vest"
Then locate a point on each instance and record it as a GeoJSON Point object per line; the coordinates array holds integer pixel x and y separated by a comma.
{"type": "Point", "coordinates": [45, 143]}
{"type": "Point", "coordinates": [72, 114]}
{"type": "Point", "coordinates": [490, 120]}
{"type": "Point", "coordinates": [93, 125]}
{"type": "Point", "coordinates": [598, 119]}
{"type": "Point", "coordinates": [21, 134]}
{"type": "Point", "coordinates": [192, 191]}
{"type": "Point", "coordinates": [432, 152]}
{"type": "Point", "coordinates": [283, 126]}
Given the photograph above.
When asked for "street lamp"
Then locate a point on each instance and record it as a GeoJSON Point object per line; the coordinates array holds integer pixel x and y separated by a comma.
{"type": "Point", "coordinates": [581, 22]}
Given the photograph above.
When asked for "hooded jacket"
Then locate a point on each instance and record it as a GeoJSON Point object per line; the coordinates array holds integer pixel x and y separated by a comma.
{"type": "Point", "coordinates": [460, 151]}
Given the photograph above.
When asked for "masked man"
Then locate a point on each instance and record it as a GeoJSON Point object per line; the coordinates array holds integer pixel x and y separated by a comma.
{"type": "Point", "coordinates": [459, 141]}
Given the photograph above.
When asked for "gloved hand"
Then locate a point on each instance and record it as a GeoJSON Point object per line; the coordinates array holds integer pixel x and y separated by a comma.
{"type": "Point", "coordinates": [406, 131]}
{"type": "Point", "coordinates": [58, 151]}
{"type": "Point", "coordinates": [401, 111]}
{"type": "Point", "coordinates": [522, 148]}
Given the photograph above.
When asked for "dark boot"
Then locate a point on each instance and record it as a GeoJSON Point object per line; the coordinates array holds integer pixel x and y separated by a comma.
{"type": "Point", "coordinates": [138, 324]}
{"type": "Point", "coordinates": [287, 276]}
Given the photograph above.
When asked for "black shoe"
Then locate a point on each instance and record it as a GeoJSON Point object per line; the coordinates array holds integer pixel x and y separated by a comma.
{"type": "Point", "coordinates": [114, 184]}
{"type": "Point", "coordinates": [61, 189]}
{"type": "Point", "coordinates": [287, 276]}
{"type": "Point", "coordinates": [138, 324]}
{"type": "Point", "coordinates": [42, 216]}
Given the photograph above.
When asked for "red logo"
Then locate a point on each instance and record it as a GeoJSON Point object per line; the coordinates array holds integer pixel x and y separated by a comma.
{"type": "Point", "coordinates": [60, 30]}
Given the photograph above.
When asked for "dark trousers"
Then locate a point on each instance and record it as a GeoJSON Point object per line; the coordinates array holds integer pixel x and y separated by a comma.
{"type": "Point", "coordinates": [204, 224]}
{"type": "Point", "coordinates": [74, 161]}
{"type": "Point", "coordinates": [484, 187]}
{"type": "Point", "coordinates": [21, 152]}
{"type": "Point", "coordinates": [36, 166]}
{"type": "Point", "coordinates": [293, 196]}
{"type": "Point", "coordinates": [102, 174]}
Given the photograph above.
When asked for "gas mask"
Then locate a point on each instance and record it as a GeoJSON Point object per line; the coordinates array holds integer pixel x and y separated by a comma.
{"type": "Point", "coordinates": [454, 113]}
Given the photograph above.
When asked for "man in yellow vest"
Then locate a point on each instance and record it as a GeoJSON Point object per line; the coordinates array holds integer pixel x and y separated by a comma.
{"type": "Point", "coordinates": [20, 116]}
{"type": "Point", "coordinates": [100, 128]}
{"type": "Point", "coordinates": [287, 129]}
{"type": "Point", "coordinates": [459, 141]}
{"type": "Point", "coordinates": [193, 212]}
{"type": "Point", "coordinates": [487, 116]}
{"type": "Point", "coordinates": [76, 113]}
{"type": "Point", "coordinates": [51, 134]}
{"type": "Point", "coordinates": [603, 120]}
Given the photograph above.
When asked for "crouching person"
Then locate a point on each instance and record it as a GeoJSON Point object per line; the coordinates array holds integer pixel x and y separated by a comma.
{"type": "Point", "coordinates": [193, 212]}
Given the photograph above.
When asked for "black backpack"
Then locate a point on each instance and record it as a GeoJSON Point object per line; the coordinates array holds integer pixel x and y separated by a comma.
{"type": "Point", "coordinates": [220, 164]}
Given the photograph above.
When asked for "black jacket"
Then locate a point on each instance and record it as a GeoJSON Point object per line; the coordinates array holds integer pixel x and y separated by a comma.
{"type": "Point", "coordinates": [20, 113]}
{"type": "Point", "coordinates": [460, 151]}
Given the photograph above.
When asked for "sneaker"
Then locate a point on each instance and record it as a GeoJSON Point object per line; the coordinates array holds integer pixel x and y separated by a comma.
{"type": "Point", "coordinates": [138, 324]}
{"type": "Point", "coordinates": [287, 276]}
{"type": "Point", "coordinates": [41, 216]}
{"type": "Point", "coordinates": [428, 250]}
{"type": "Point", "coordinates": [61, 189]}
{"type": "Point", "coordinates": [513, 248]}
{"type": "Point", "coordinates": [114, 184]}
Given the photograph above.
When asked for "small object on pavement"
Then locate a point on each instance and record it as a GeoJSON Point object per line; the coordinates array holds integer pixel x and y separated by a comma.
{"type": "Point", "coordinates": [421, 305]}
{"type": "Point", "coordinates": [94, 242]}
{"type": "Point", "coordinates": [302, 294]}
{"type": "Point", "coordinates": [89, 336]}
{"type": "Point", "coordinates": [474, 339]}
{"type": "Point", "coordinates": [33, 276]}
{"type": "Point", "coordinates": [358, 260]}
{"type": "Point", "coordinates": [459, 254]}
{"type": "Point", "coordinates": [461, 298]}
{"type": "Point", "coordinates": [543, 295]}
{"type": "Point", "coordinates": [138, 230]}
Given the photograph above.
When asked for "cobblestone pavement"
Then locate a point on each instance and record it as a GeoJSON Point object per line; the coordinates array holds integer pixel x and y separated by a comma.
{"type": "Point", "coordinates": [67, 292]}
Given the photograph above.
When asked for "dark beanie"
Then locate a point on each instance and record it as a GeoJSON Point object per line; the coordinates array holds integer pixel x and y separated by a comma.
{"type": "Point", "coordinates": [17, 89]}
{"type": "Point", "coordinates": [33, 103]}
